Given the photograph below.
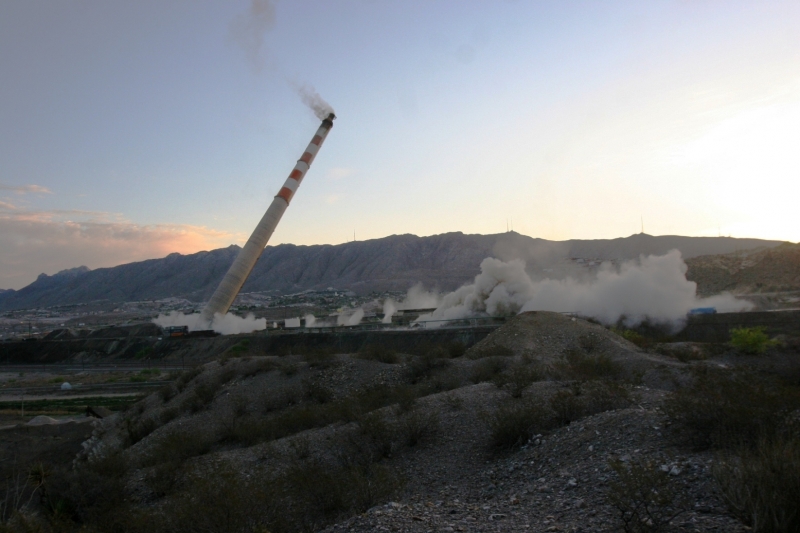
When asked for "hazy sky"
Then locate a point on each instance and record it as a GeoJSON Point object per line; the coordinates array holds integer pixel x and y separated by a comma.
{"type": "Point", "coordinates": [129, 130]}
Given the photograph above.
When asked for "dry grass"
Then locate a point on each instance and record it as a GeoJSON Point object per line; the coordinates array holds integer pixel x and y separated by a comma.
{"type": "Point", "coordinates": [423, 366]}
{"type": "Point", "coordinates": [514, 423]}
{"type": "Point", "coordinates": [762, 485]}
{"type": "Point", "coordinates": [417, 426]}
{"type": "Point", "coordinates": [751, 419]}
{"type": "Point", "coordinates": [135, 429]}
{"type": "Point", "coordinates": [487, 369]}
{"type": "Point", "coordinates": [187, 377]}
{"type": "Point", "coordinates": [518, 378]}
{"type": "Point", "coordinates": [585, 363]}
{"type": "Point", "coordinates": [645, 497]}
{"type": "Point", "coordinates": [727, 409]}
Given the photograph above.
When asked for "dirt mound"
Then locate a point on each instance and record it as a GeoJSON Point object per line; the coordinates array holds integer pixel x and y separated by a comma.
{"type": "Point", "coordinates": [546, 336]}
{"type": "Point", "coordinates": [553, 339]}
{"type": "Point", "coordinates": [41, 420]}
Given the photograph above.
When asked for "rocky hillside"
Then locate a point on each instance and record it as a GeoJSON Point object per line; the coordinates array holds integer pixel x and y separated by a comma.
{"type": "Point", "coordinates": [768, 270]}
{"type": "Point", "coordinates": [542, 427]}
{"type": "Point", "coordinates": [392, 263]}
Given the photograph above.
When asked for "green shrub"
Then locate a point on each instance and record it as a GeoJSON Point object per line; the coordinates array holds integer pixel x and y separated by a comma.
{"type": "Point", "coordinates": [726, 409]}
{"type": "Point", "coordinates": [456, 349]}
{"type": "Point", "coordinates": [587, 398]}
{"type": "Point", "coordinates": [186, 377]}
{"type": "Point", "coordinates": [603, 396]}
{"type": "Point", "coordinates": [590, 342]}
{"type": "Point", "coordinates": [202, 395]}
{"type": "Point", "coordinates": [486, 369]}
{"type": "Point", "coordinates": [379, 433]}
{"type": "Point", "coordinates": [567, 406]}
{"type": "Point", "coordinates": [169, 414]}
{"type": "Point", "coordinates": [177, 446]}
{"type": "Point", "coordinates": [453, 401]}
{"type": "Point", "coordinates": [683, 353]}
{"type": "Point", "coordinates": [218, 500]}
{"type": "Point", "coordinates": [422, 366]}
{"type": "Point", "coordinates": [168, 392]}
{"type": "Point", "coordinates": [286, 420]}
{"type": "Point", "coordinates": [364, 401]}
{"type": "Point", "coordinates": [518, 378]}
{"type": "Point", "coordinates": [578, 364]}
{"type": "Point", "coordinates": [93, 493]}
{"type": "Point", "coordinates": [443, 381]}
{"type": "Point", "coordinates": [417, 426]}
{"type": "Point", "coordinates": [636, 338]}
{"type": "Point", "coordinates": [320, 494]}
{"type": "Point", "coordinates": [162, 478]}
{"type": "Point", "coordinates": [251, 429]}
{"type": "Point", "coordinates": [257, 366]}
{"type": "Point", "coordinates": [136, 430]}
{"type": "Point", "coordinates": [514, 423]}
{"type": "Point", "coordinates": [240, 403]}
{"type": "Point", "coordinates": [238, 348]}
{"type": "Point", "coordinates": [316, 391]}
{"type": "Point", "coordinates": [279, 398]}
{"type": "Point", "coordinates": [645, 498]}
{"type": "Point", "coordinates": [207, 390]}
{"type": "Point", "coordinates": [751, 341]}
{"type": "Point", "coordinates": [143, 353]}
{"type": "Point", "coordinates": [762, 485]}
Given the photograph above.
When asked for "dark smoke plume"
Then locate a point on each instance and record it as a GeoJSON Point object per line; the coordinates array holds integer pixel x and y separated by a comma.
{"type": "Point", "coordinates": [249, 30]}
{"type": "Point", "coordinates": [314, 101]}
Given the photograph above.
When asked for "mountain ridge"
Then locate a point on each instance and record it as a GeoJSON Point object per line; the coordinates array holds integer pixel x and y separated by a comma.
{"type": "Point", "coordinates": [444, 262]}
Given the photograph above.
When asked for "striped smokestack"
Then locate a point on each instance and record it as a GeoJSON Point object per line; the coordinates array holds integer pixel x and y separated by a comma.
{"type": "Point", "coordinates": [237, 274]}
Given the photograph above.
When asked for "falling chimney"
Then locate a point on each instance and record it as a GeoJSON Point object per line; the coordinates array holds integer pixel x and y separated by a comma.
{"type": "Point", "coordinates": [237, 274]}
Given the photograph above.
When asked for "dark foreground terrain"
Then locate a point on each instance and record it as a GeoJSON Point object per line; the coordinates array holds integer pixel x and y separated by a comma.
{"type": "Point", "coordinates": [550, 423]}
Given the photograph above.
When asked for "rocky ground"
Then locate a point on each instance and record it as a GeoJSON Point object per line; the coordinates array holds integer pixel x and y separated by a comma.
{"type": "Point", "coordinates": [422, 443]}
{"type": "Point", "coordinates": [557, 483]}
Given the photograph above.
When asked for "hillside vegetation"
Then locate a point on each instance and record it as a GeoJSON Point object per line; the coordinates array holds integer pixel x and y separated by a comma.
{"type": "Point", "coordinates": [549, 424]}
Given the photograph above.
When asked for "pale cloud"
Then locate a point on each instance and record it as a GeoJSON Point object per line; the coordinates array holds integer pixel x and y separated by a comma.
{"type": "Point", "coordinates": [249, 30]}
{"type": "Point", "coordinates": [338, 173]}
{"type": "Point", "coordinates": [25, 189]}
{"type": "Point", "coordinates": [333, 198]}
{"type": "Point", "coordinates": [49, 241]}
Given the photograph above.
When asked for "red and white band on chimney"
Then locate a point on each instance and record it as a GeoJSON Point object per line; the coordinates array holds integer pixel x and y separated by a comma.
{"type": "Point", "coordinates": [237, 274]}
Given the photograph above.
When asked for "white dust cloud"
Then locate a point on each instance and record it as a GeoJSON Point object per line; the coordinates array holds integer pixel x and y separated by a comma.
{"type": "Point", "coordinates": [389, 309]}
{"type": "Point", "coordinates": [310, 320]}
{"type": "Point", "coordinates": [652, 288]}
{"type": "Point", "coordinates": [352, 319]}
{"type": "Point", "coordinates": [416, 298]}
{"type": "Point", "coordinates": [228, 324]}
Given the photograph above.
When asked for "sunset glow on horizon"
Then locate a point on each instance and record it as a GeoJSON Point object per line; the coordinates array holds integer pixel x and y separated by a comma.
{"type": "Point", "coordinates": [133, 130]}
